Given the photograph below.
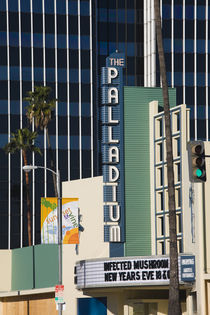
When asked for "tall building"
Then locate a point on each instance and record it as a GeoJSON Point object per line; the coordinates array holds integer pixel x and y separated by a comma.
{"type": "Point", "coordinates": [186, 44]}
{"type": "Point", "coordinates": [61, 44]}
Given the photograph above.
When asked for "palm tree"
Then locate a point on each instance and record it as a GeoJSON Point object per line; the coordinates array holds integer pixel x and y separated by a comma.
{"type": "Point", "coordinates": [23, 140]}
{"type": "Point", "coordinates": [174, 306]}
{"type": "Point", "coordinates": [40, 109]}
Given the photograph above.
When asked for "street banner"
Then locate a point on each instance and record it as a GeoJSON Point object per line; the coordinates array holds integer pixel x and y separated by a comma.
{"type": "Point", "coordinates": [49, 223]}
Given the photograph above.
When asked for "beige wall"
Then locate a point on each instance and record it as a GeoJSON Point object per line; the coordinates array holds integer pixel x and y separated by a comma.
{"type": "Point", "coordinates": [92, 245]}
{"type": "Point", "coordinates": [5, 270]}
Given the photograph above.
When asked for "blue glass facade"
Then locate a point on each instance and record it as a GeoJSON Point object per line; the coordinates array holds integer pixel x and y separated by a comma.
{"type": "Point", "coordinates": [62, 44]}
{"type": "Point", "coordinates": [186, 32]}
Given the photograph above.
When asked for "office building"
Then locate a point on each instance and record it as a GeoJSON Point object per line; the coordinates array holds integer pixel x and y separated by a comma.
{"type": "Point", "coordinates": [186, 44]}
{"type": "Point", "coordinates": [61, 44]}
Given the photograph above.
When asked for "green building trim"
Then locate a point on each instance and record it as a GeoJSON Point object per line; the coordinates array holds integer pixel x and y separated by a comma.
{"type": "Point", "coordinates": [137, 166]}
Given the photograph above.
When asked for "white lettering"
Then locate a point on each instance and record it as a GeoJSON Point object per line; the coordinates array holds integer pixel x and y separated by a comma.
{"type": "Point", "coordinates": [117, 213]}
{"type": "Point", "coordinates": [113, 173]}
{"type": "Point", "coordinates": [110, 140]}
{"type": "Point", "coordinates": [114, 193]}
{"type": "Point", "coordinates": [110, 120]}
{"type": "Point", "coordinates": [112, 74]}
{"type": "Point", "coordinates": [114, 233]}
{"type": "Point", "coordinates": [114, 155]}
{"type": "Point", "coordinates": [113, 95]}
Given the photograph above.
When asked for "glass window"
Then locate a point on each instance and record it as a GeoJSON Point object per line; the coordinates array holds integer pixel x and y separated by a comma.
{"type": "Point", "coordinates": [74, 142]}
{"type": "Point", "coordinates": [178, 45]}
{"type": "Point", "coordinates": [3, 140]}
{"type": "Point", "coordinates": [102, 15]}
{"type": "Point", "coordinates": [25, 22]}
{"type": "Point", "coordinates": [4, 106]}
{"type": "Point", "coordinates": [13, 5]}
{"type": "Point", "coordinates": [26, 74]}
{"type": "Point", "coordinates": [73, 75]}
{"type": "Point", "coordinates": [121, 16]}
{"type": "Point", "coordinates": [15, 90]}
{"type": "Point", "coordinates": [85, 92]}
{"type": "Point", "coordinates": [73, 59]}
{"type": "Point", "coordinates": [130, 49]}
{"type": "Point", "coordinates": [37, 6]}
{"type": "Point", "coordinates": [130, 16]}
{"type": "Point", "coordinates": [25, 5]}
{"type": "Point", "coordinates": [49, 23]}
{"type": "Point", "coordinates": [4, 87]}
{"type": "Point", "coordinates": [178, 78]}
{"type": "Point", "coordinates": [62, 109]}
{"type": "Point", "coordinates": [73, 10]}
{"type": "Point", "coordinates": [85, 25]}
{"type": "Point", "coordinates": [50, 58]}
{"type": "Point", "coordinates": [167, 45]}
{"type": "Point", "coordinates": [38, 40]}
{"type": "Point", "coordinates": [49, 6]}
{"type": "Point", "coordinates": [3, 39]}
{"type": "Point", "coordinates": [200, 79]}
{"type": "Point", "coordinates": [61, 7]}
{"type": "Point", "coordinates": [130, 80]}
{"type": "Point", "coordinates": [26, 39]}
{"type": "Point", "coordinates": [2, 5]}
{"type": "Point", "coordinates": [189, 45]}
{"type": "Point", "coordinates": [85, 42]}
{"type": "Point", "coordinates": [38, 74]}
{"type": "Point", "coordinates": [189, 78]}
{"type": "Point", "coordinates": [61, 24]}
{"type": "Point", "coordinates": [13, 22]}
{"type": "Point", "coordinates": [62, 58]}
{"type": "Point", "coordinates": [74, 92]}
{"type": "Point", "coordinates": [166, 11]}
{"type": "Point", "coordinates": [86, 109]}
{"type": "Point", "coordinates": [50, 40]}
{"type": "Point", "coordinates": [86, 76]}
{"type": "Point", "coordinates": [50, 72]}
{"type": "Point", "coordinates": [112, 15]}
{"type": "Point", "coordinates": [103, 48]}
{"type": "Point", "coordinates": [73, 25]}
{"type": "Point", "coordinates": [3, 24]}
{"type": "Point", "coordinates": [3, 73]}
{"type": "Point", "coordinates": [61, 41]}
{"type": "Point", "coordinates": [84, 8]}
{"type": "Point", "coordinates": [86, 142]}
{"type": "Point", "coordinates": [201, 12]}
{"type": "Point", "coordinates": [73, 41]}
{"type": "Point", "coordinates": [14, 39]}
{"type": "Point", "coordinates": [74, 109]}
{"type": "Point", "coordinates": [62, 75]}
{"type": "Point", "coordinates": [178, 12]}
{"type": "Point", "coordinates": [62, 142]}
{"type": "Point", "coordinates": [189, 12]}
{"type": "Point", "coordinates": [37, 23]}
{"type": "Point", "coordinates": [38, 57]}
{"type": "Point", "coordinates": [14, 56]}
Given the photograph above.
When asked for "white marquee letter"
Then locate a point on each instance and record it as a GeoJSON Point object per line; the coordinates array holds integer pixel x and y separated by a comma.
{"type": "Point", "coordinates": [110, 120]}
{"type": "Point", "coordinates": [113, 173]}
{"type": "Point", "coordinates": [114, 233]}
{"type": "Point", "coordinates": [114, 155]}
{"type": "Point", "coordinates": [110, 140]}
{"type": "Point", "coordinates": [112, 74]}
{"type": "Point", "coordinates": [111, 213]}
{"type": "Point", "coordinates": [113, 94]}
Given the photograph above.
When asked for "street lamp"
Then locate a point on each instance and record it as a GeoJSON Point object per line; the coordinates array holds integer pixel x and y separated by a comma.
{"type": "Point", "coordinates": [28, 168]}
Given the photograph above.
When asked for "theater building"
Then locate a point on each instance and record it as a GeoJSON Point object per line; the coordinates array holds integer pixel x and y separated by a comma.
{"type": "Point", "coordinates": [121, 265]}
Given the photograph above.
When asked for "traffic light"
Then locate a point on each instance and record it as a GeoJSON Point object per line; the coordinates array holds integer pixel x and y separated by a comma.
{"type": "Point", "coordinates": [196, 160]}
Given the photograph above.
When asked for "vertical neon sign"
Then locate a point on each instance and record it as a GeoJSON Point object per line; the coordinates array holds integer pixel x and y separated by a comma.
{"type": "Point", "coordinates": [112, 148]}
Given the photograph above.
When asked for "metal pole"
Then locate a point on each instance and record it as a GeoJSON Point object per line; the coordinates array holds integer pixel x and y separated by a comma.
{"type": "Point", "coordinates": [59, 216]}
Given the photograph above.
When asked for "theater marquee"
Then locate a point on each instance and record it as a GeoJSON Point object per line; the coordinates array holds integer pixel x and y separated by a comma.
{"type": "Point", "coordinates": [131, 271]}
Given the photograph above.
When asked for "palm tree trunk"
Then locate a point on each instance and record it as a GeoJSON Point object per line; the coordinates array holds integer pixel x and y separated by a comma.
{"type": "Point", "coordinates": [52, 163]}
{"type": "Point", "coordinates": [27, 200]}
{"type": "Point", "coordinates": [174, 306]}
